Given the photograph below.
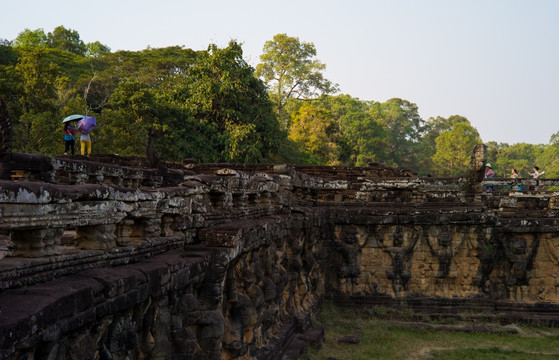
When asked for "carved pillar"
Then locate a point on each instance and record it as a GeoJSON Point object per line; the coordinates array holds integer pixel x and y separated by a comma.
{"type": "Point", "coordinates": [96, 237]}
{"type": "Point", "coordinates": [478, 161]}
{"type": "Point", "coordinates": [37, 242]}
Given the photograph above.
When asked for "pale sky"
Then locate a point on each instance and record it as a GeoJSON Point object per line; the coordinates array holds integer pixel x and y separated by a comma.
{"type": "Point", "coordinates": [496, 62]}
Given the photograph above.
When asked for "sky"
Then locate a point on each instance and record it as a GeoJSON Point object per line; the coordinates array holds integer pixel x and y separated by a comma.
{"type": "Point", "coordinates": [495, 62]}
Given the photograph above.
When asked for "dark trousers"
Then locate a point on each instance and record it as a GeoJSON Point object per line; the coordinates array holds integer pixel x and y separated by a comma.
{"type": "Point", "coordinates": [69, 144]}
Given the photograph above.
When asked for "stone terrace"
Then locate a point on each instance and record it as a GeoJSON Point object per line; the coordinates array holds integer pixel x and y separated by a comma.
{"type": "Point", "coordinates": [103, 257]}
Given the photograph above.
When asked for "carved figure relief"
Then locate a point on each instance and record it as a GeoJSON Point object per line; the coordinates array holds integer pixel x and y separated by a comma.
{"type": "Point", "coordinates": [400, 253]}
{"type": "Point", "coordinates": [519, 251]}
{"type": "Point", "coordinates": [348, 241]}
{"type": "Point", "coordinates": [487, 249]}
{"type": "Point", "coordinates": [443, 242]}
{"type": "Point", "coordinates": [547, 262]}
{"type": "Point", "coordinates": [398, 243]}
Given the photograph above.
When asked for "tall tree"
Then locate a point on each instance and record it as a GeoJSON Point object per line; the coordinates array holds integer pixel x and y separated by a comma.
{"type": "Point", "coordinates": [404, 127]}
{"type": "Point", "coordinates": [359, 137]}
{"type": "Point", "coordinates": [428, 147]}
{"type": "Point", "coordinates": [31, 38]}
{"type": "Point", "coordinates": [314, 130]}
{"type": "Point", "coordinates": [289, 68]}
{"type": "Point", "coordinates": [365, 138]}
{"type": "Point", "coordinates": [223, 92]}
{"type": "Point", "coordinates": [548, 161]}
{"type": "Point", "coordinates": [66, 39]}
{"type": "Point", "coordinates": [454, 150]}
{"type": "Point", "coordinates": [96, 49]}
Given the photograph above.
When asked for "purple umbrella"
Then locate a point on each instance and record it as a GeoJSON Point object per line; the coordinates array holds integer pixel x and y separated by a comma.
{"type": "Point", "coordinates": [87, 124]}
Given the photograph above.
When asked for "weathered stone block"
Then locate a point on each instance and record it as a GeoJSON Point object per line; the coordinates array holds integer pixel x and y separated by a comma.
{"type": "Point", "coordinates": [96, 237]}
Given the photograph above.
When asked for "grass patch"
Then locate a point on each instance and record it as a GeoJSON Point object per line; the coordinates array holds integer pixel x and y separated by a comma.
{"type": "Point", "coordinates": [381, 338]}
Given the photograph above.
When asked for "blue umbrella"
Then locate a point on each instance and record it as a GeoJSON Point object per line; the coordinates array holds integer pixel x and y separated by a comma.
{"type": "Point", "coordinates": [72, 118]}
{"type": "Point", "coordinates": [87, 124]}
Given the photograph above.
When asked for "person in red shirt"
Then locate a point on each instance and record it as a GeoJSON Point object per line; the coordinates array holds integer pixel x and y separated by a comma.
{"type": "Point", "coordinates": [69, 137]}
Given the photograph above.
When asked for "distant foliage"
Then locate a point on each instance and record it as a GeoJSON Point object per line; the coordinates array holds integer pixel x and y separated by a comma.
{"type": "Point", "coordinates": [213, 106]}
{"type": "Point", "coordinates": [454, 150]}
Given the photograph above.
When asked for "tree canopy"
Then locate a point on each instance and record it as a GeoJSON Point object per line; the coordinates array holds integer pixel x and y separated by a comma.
{"type": "Point", "coordinates": [289, 68]}
{"type": "Point", "coordinates": [213, 106]}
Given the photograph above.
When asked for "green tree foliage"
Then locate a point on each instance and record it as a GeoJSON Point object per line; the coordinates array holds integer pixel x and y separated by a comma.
{"type": "Point", "coordinates": [360, 138]}
{"type": "Point", "coordinates": [43, 89]}
{"type": "Point", "coordinates": [126, 121]}
{"type": "Point", "coordinates": [428, 147]}
{"type": "Point", "coordinates": [66, 39]}
{"type": "Point", "coordinates": [96, 49]}
{"type": "Point", "coordinates": [34, 38]}
{"type": "Point", "coordinates": [548, 160]}
{"type": "Point", "coordinates": [313, 129]}
{"type": "Point", "coordinates": [521, 157]}
{"type": "Point", "coordinates": [210, 105]}
{"type": "Point", "coordinates": [223, 93]}
{"type": "Point", "coordinates": [207, 105]}
{"type": "Point", "coordinates": [290, 70]}
{"type": "Point", "coordinates": [365, 137]}
{"type": "Point", "coordinates": [454, 150]}
{"type": "Point", "coordinates": [404, 128]}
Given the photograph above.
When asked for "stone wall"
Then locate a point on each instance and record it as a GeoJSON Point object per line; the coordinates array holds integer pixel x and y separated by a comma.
{"type": "Point", "coordinates": [105, 258]}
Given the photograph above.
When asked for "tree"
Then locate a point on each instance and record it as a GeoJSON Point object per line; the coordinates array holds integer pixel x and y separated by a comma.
{"type": "Point", "coordinates": [359, 138]}
{"type": "Point", "coordinates": [404, 127]}
{"type": "Point", "coordinates": [365, 138]}
{"type": "Point", "coordinates": [30, 38]}
{"type": "Point", "coordinates": [222, 92]}
{"type": "Point", "coordinates": [521, 156]}
{"type": "Point", "coordinates": [133, 109]}
{"type": "Point", "coordinates": [548, 160]}
{"type": "Point", "coordinates": [454, 150]}
{"type": "Point", "coordinates": [313, 129]}
{"type": "Point", "coordinates": [290, 70]}
{"type": "Point", "coordinates": [66, 39]}
{"type": "Point", "coordinates": [39, 84]}
{"type": "Point", "coordinates": [428, 147]}
{"type": "Point", "coordinates": [96, 49]}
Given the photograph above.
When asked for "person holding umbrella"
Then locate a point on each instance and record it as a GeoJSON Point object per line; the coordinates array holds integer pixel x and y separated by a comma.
{"type": "Point", "coordinates": [84, 127]}
{"type": "Point", "coordinates": [70, 132]}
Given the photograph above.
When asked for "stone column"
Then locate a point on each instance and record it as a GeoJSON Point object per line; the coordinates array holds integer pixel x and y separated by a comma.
{"type": "Point", "coordinates": [477, 162]}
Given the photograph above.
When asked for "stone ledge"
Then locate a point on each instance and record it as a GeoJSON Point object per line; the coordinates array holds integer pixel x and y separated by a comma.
{"type": "Point", "coordinates": [472, 309]}
{"type": "Point", "coordinates": [48, 311]}
{"type": "Point", "coordinates": [20, 272]}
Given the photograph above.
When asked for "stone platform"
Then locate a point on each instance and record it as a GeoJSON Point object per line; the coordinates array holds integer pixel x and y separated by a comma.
{"type": "Point", "coordinates": [104, 257]}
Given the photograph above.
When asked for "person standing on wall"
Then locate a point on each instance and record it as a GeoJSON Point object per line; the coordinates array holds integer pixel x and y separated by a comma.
{"type": "Point", "coordinates": [85, 126]}
{"type": "Point", "coordinates": [536, 175]}
{"type": "Point", "coordinates": [85, 141]}
{"type": "Point", "coordinates": [489, 173]}
{"type": "Point", "coordinates": [69, 137]}
{"type": "Point", "coordinates": [514, 175]}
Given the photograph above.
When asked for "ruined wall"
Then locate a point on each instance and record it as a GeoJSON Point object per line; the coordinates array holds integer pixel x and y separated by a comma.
{"type": "Point", "coordinates": [106, 258]}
